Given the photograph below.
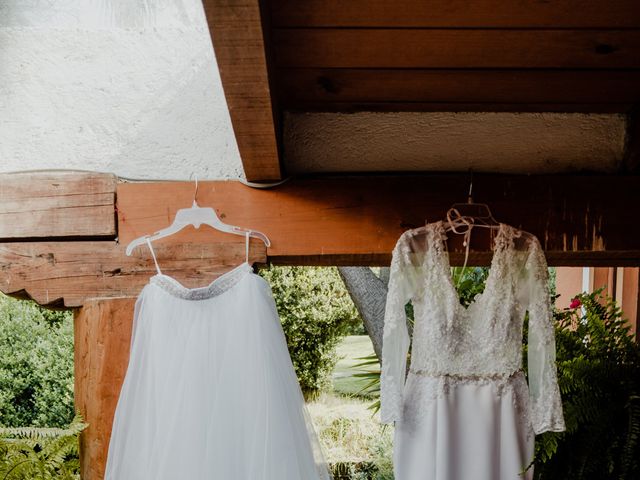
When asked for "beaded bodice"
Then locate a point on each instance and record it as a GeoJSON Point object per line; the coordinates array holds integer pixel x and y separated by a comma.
{"type": "Point", "coordinates": [218, 286]}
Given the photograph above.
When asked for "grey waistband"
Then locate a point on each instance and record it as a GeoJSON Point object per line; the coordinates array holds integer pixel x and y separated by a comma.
{"type": "Point", "coordinates": [468, 377]}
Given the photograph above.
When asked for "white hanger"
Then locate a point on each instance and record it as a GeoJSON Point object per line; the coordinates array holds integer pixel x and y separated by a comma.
{"type": "Point", "coordinates": [196, 216]}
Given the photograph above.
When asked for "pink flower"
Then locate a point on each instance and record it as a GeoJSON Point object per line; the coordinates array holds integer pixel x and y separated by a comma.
{"type": "Point", "coordinates": [575, 303]}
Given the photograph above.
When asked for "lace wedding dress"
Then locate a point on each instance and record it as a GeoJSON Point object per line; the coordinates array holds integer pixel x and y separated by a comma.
{"type": "Point", "coordinates": [210, 392]}
{"type": "Point", "coordinates": [465, 411]}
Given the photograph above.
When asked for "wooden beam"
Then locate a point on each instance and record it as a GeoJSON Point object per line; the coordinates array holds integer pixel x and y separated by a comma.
{"type": "Point", "coordinates": [356, 220]}
{"type": "Point", "coordinates": [102, 337]}
{"type": "Point", "coordinates": [630, 293]}
{"type": "Point", "coordinates": [631, 161]}
{"type": "Point", "coordinates": [66, 274]}
{"type": "Point", "coordinates": [57, 204]}
{"type": "Point", "coordinates": [477, 90]}
{"type": "Point", "coordinates": [236, 31]}
{"type": "Point", "coordinates": [346, 220]}
{"type": "Point", "coordinates": [456, 13]}
{"type": "Point", "coordinates": [456, 48]}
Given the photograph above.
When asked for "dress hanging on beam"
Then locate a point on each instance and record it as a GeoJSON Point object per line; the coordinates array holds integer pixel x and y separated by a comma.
{"type": "Point", "coordinates": [465, 410]}
{"type": "Point", "coordinates": [210, 390]}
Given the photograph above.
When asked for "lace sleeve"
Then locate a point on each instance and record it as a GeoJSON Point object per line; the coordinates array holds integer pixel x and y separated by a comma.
{"type": "Point", "coordinates": [546, 404]}
{"type": "Point", "coordinates": [395, 344]}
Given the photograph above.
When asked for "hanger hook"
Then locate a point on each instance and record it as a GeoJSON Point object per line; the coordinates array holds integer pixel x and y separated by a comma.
{"type": "Point", "coordinates": [195, 193]}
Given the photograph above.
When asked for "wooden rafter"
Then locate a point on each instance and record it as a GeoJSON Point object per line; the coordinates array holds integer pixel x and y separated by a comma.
{"type": "Point", "coordinates": [236, 31]}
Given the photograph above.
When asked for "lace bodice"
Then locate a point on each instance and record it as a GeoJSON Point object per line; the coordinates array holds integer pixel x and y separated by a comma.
{"type": "Point", "coordinates": [482, 342]}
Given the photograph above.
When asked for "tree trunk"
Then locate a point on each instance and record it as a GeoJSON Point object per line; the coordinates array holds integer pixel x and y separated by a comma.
{"type": "Point", "coordinates": [369, 294]}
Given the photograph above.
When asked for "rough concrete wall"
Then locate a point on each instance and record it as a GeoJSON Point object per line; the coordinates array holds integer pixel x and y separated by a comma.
{"type": "Point", "coordinates": [123, 86]}
{"type": "Point", "coordinates": [491, 142]}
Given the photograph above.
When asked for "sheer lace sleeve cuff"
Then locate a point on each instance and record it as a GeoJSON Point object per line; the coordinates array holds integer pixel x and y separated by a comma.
{"type": "Point", "coordinates": [546, 404]}
{"type": "Point", "coordinates": [395, 337]}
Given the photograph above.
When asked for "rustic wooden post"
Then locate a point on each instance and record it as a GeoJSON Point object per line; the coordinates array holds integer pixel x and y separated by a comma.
{"type": "Point", "coordinates": [102, 329]}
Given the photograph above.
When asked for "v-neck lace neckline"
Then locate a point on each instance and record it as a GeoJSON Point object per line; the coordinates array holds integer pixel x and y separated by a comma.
{"type": "Point", "coordinates": [497, 249]}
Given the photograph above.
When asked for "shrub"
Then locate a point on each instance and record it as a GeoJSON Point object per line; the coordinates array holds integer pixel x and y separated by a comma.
{"type": "Point", "coordinates": [36, 368]}
{"type": "Point", "coordinates": [599, 377]}
{"type": "Point", "coordinates": [30, 453]}
{"type": "Point", "coordinates": [316, 311]}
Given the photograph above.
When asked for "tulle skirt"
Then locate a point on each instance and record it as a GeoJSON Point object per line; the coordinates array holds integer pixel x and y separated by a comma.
{"type": "Point", "coordinates": [210, 391]}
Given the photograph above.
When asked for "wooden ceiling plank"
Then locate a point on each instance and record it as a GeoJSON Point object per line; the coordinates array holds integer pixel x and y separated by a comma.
{"type": "Point", "coordinates": [456, 48]}
{"type": "Point", "coordinates": [310, 88]}
{"type": "Point", "coordinates": [457, 13]}
{"type": "Point", "coordinates": [391, 107]}
{"type": "Point", "coordinates": [57, 204]}
{"type": "Point", "coordinates": [236, 31]}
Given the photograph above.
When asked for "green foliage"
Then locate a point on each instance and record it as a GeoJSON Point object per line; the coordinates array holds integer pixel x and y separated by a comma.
{"type": "Point", "coordinates": [372, 377]}
{"type": "Point", "coordinates": [30, 453]}
{"type": "Point", "coordinates": [316, 311]}
{"type": "Point", "coordinates": [469, 282]}
{"type": "Point", "coordinates": [599, 377]}
{"type": "Point", "coordinates": [36, 365]}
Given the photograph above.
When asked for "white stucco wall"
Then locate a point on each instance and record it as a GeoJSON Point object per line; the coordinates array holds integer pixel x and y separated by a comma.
{"type": "Point", "coordinates": [123, 86]}
{"type": "Point", "coordinates": [439, 141]}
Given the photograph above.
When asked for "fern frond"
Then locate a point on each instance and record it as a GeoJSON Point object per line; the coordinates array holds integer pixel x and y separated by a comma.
{"type": "Point", "coordinates": [31, 453]}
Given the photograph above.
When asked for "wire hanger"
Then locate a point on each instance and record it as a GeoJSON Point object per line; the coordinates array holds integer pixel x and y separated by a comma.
{"type": "Point", "coordinates": [481, 216]}
{"type": "Point", "coordinates": [196, 216]}
{"type": "Point", "coordinates": [463, 224]}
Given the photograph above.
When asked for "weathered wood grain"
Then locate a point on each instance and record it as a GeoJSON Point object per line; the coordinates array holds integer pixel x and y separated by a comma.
{"type": "Point", "coordinates": [236, 31]}
{"type": "Point", "coordinates": [478, 90]}
{"type": "Point", "coordinates": [65, 274]}
{"type": "Point", "coordinates": [102, 336]}
{"type": "Point", "coordinates": [57, 204]}
{"type": "Point", "coordinates": [456, 13]}
{"type": "Point", "coordinates": [456, 48]}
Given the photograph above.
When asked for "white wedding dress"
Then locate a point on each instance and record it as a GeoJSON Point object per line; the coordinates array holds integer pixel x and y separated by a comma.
{"type": "Point", "coordinates": [465, 411]}
{"type": "Point", "coordinates": [210, 391]}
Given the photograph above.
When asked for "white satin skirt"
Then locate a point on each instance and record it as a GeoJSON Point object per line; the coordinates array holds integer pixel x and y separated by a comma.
{"type": "Point", "coordinates": [472, 431]}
